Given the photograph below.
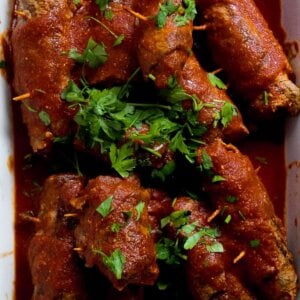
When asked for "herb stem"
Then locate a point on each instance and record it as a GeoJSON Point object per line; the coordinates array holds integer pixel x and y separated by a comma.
{"type": "Point", "coordinates": [167, 107]}
{"type": "Point", "coordinates": [104, 26]}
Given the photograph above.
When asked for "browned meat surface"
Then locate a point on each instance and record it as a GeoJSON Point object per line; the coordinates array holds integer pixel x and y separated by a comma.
{"type": "Point", "coordinates": [41, 43]}
{"type": "Point", "coordinates": [242, 43]}
{"type": "Point", "coordinates": [254, 225]}
{"type": "Point", "coordinates": [166, 52]}
{"type": "Point", "coordinates": [121, 62]}
{"type": "Point", "coordinates": [210, 275]}
{"type": "Point", "coordinates": [159, 206]}
{"type": "Point", "coordinates": [41, 70]}
{"type": "Point", "coordinates": [54, 265]}
{"type": "Point", "coordinates": [117, 239]}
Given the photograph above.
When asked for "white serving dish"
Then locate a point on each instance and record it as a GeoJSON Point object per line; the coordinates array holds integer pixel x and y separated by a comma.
{"type": "Point", "coordinates": [291, 23]}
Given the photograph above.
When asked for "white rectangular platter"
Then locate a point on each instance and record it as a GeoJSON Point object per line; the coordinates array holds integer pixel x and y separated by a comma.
{"type": "Point", "coordinates": [291, 23]}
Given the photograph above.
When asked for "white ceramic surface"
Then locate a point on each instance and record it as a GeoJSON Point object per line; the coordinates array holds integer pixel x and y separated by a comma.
{"type": "Point", "coordinates": [291, 21]}
{"type": "Point", "coordinates": [7, 271]}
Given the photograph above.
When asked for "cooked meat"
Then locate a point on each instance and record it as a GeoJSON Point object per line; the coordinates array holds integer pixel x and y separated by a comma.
{"type": "Point", "coordinates": [243, 45]}
{"type": "Point", "coordinates": [55, 28]}
{"type": "Point", "coordinates": [210, 275]}
{"type": "Point", "coordinates": [55, 269]}
{"type": "Point", "coordinates": [159, 206]}
{"type": "Point", "coordinates": [254, 225]}
{"type": "Point", "coordinates": [41, 70]}
{"type": "Point", "coordinates": [113, 232]}
{"type": "Point", "coordinates": [166, 52]}
{"type": "Point", "coordinates": [121, 61]}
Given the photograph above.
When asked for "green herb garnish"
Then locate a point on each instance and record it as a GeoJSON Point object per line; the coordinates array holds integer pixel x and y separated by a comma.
{"type": "Point", "coordinates": [105, 207]}
{"type": "Point", "coordinates": [94, 54]}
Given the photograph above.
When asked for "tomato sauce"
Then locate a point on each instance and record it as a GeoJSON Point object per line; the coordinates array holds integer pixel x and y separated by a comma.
{"type": "Point", "coordinates": [266, 153]}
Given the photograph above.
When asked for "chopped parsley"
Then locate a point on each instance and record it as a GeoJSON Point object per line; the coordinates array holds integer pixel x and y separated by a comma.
{"type": "Point", "coordinates": [255, 243]}
{"type": "Point", "coordinates": [202, 233]}
{"type": "Point", "coordinates": [165, 171]}
{"type": "Point", "coordinates": [266, 98]}
{"type": "Point", "coordinates": [177, 219]}
{"type": "Point", "coordinates": [206, 164]}
{"type": "Point", "coordinates": [139, 209]}
{"type": "Point", "coordinates": [94, 54]}
{"type": "Point", "coordinates": [228, 219]}
{"type": "Point", "coordinates": [122, 159]}
{"type": "Point", "coordinates": [225, 115]}
{"type": "Point", "coordinates": [116, 227]}
{"type": "Point", "coordinates": [105, 207]}
{"type": "Point", "coordinates": [215, 247]}
{"type": "Point", "coordinates": [2, 64]}
{"type": "Point", "coordinates": [115, 262]}
{"type": "Point", "coordinates": [187, 13]}
{"type": "Point", "coordinates": [183, 14]}
{"type": "Point", "coordinates": [216, 81]}
{"type": "Point", "coordinates": [217, 178]}
{"type": "Point", "coordinates": [44, 117]}
{"type": "Point", "coordinates": [231, 199]}
{"type": "Point", "coordinates": [165, 9]}
{"type": "Point", "coordinates": [102, 4]}
{"type": "Point", "coordinates": [169, 251]}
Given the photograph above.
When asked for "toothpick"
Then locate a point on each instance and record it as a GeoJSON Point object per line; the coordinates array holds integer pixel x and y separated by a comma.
{"type": "Point", "coordinates": [22, 97]}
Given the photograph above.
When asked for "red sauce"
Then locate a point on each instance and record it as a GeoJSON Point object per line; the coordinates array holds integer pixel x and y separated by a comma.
{"type": "Point", "coordinates": [266, 154]}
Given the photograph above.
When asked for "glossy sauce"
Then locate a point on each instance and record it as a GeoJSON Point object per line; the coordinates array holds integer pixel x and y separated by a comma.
{"type": "Point", "coordinates": [266, 154]}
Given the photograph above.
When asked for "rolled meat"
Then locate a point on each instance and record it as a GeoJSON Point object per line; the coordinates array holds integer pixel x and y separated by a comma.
{"type": "Point", "coordinates": [210, 275]}
{"type": "Point", "coordinates": [252, 223]}
{"type": "Point", "coordinates": [55, 268]}
{"type": "Point", "coordinates": [243, 45]}
{"type": "Point", "coordinates": [113, 232]}
{"type": "Point", "coordinates": [41, 70]}
{"type": "Point", "coordinates": [165, 51]}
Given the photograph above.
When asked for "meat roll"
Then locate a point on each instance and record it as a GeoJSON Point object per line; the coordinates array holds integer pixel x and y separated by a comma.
{"type": "Point", "coordinates": [41, 70]}
{"type": "Point", "coordinates": [165, 51]}
{"type": "Point", "coordinates": [244, 46]}
{"type": "Point", "coordinates": [252, 222]}
{"type": "Point", "coordinates": [55, 268]}
{"type": "Point", "coordinates": [113, 232]}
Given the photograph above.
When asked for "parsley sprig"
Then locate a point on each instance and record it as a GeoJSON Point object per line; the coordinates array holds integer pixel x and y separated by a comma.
{"type": "Point", "coordinates": [183, 14]}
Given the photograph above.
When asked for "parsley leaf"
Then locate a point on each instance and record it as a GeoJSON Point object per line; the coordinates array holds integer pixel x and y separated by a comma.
{"type": "Point", "coordinates": [215, 247]}
{"type": "Point", "coordinates": [122, 159]}
{"type": "Point", "coordinates": [2, 64]}
{"type": "Point", "coordinates": [188, 15]}
{"type": "Point", "coordinates": [266, 97]}
{"type": "Point", "coordinates": [119, 40]}
{"type": "Point", "coordinates": [94, 54]}
{"type": "Point", "coordinates": [228, 111]}
{"type": "Point", "coordinates": [165, 9]}
{"type": "Point", "coordinates": [44, 117]}
{"type": "Point", "coordinates": [102, 4]}
{"type": "Point", "coordinates": [231, 199]}
{"type": "Point", "coordinates": [255, 243]}
{"type": "Point", "coordinates": [206, 164]}
{"type": "Point", "coordinates": [72, 93]}
{"type": "Point", "coordinates": [115, 227]}
{"type": "Point", "coordinates": [115, 262]}
{"type": "Point", "coordinates": [105, 207]}
{"type": "Point", "coordinates": [169, 251]}
{"type": "Point", "coordinates": [192, 241]}
{"type": "Point", "coordinates": [216, 81]}
{"type": "Point", "coordinates": [165, 171]}
{"type": "Point", "coordinates": [139, 209]}
{"type": "Point", "coordinates": [177, 218]}
{"type": "Point", "coordinates": [217, 178]}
